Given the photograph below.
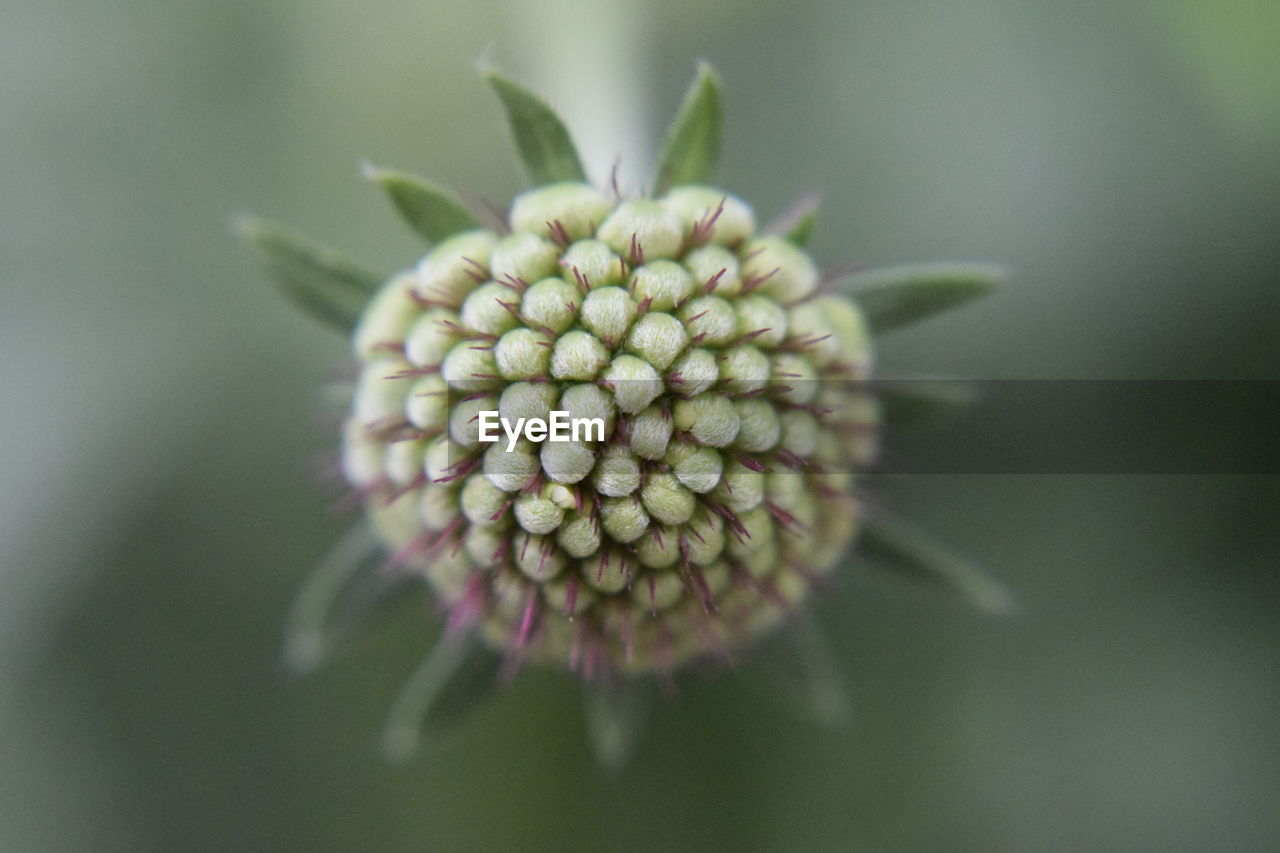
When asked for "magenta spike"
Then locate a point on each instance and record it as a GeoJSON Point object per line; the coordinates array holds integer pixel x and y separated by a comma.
{"type": "Point", "coordinates": [613, 178]}
{"type": "Point", "coordinates": [526, 619]}
{"type": "Point", "coordinates": [416, 483]}
{"type": "Point", "coordinates": [757, 280]}
{"type": "Point", "coordinates": [466, 611]}
{"type": "Point", "coordinates": [357, 498]}
{"type": "Point", "coordinates": [785, 518]}
{"type": "Point", "coordinates": [558, 234]}
{"type": "Point", "coordinates": [703, 228]}
{"type": "Point", "coordinates": [476, 271]}
{"type": "Point", "coordinates": [627, 631]}
{"type": "Point", "coordinates": [501, 510]}
{"type": "Point", "coordinates": [570, 597]}
{"type": "Point", "coordinates": [713, 282]}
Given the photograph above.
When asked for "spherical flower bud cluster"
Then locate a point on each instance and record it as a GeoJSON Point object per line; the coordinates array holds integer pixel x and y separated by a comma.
{"type": "Point", "coordinates": [734, 420]}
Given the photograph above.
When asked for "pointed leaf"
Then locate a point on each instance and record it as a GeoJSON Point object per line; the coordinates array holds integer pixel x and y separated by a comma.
{"type": "Point", "coordinates": [901, 547]}
{"type": "Point", "coordinates": [615, 717]}
{"type": "Point", "coordinates": [797, 222]}
{"type": "Point", "coordinates": [432, 211]}
{"type": "Point", "coordinates": [309, 631]}
{"type": "Point", "coordinates": [893, 297]}
{"type": "Point", "coordinates": [692, 149]}
{"type": "Point", "coordinates": [326, 286]}
{"type": "Point", "coordinates": [456, 675]}
{"type": "Point", "coordinates": [907, 401]}
{"type": "Point", "coordinates": [803, 229]}
{"type": "Point", "coordinates": [541, 137]}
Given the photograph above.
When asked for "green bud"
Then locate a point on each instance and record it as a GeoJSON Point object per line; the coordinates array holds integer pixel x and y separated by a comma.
{"type": "Point", "coordinates": [665, 284]}
{"type": "Point", "coordinates": [711, 320]}
{"type": "Point", "coordinates": [527, 400]}
{"type": "Point", "coordinates": [659, 547]}
{"type": "Point", "coordinates": [657, 591]}
{"type": "Point", "coordinates": [380, 399]}
{"type": "Point", "coordinates": [578, 208]}
{"type": "Point", "coordinates": [697, 468]}
{"type": "Point", "coordinates": [759, 425]}
{"type": "Point", "coordinates": [658, 339]}
{"type": "Point", "coordinates": [523, 256]}
{"type": "Point", "coordinates": [388, 317]}
{"type": "Point", "coordinates": [666, 499]}
{"type": "Point", "coordinates": [567, 461]}
{"type": "Point", "coordinates": [403, 462]}
{"type": "Point", "coordinates": [464, 420]}
{"type": "Point", "coordinates": [694, 372]}
{"type": "Point", "coordinates": [650, 431]}
{"type": "Point", "coordinates": [616, 473]}
{"type": "Point", "coordinates": [591, 264]}
{"type": "Point", "coordinates": [709, 215]}
{"type": "Point", "coordinates": [431, 337]}
{"type": "Point", "coordinates": [634, 381]}
{"type": "Point", "coordinates": [538, 514]}
{"type": "Point", "coordinates": [537, 556]}
{"type": "Point", "coordinates": [741, 489]}
{"type": "Point", "coordinates": [485, 309]}
{"type": "Point", "coordinates": [609, 571]}
{"type": "Point", "coordinates": [578, 536]}
{"type": "Point", "coordinates": [709, 418]}
{"type": "Point", "coordinates": [799, 433]}
{"type": "Point", "coordinates": [775, 267]}
{"type": "Point", "coordinates": [482, 501]}
{"type": "Point", "coordinates": [427, 406]}
{"type": "Point", "coordinates": [511, 470]}
{"type": "Point", "coordinates": [715, 267]}
{"type": "Point", "coordinates": [744, 369]}
{"type": "Point", "coordinates": [642, 229]}
{"type": "Point", "coordinates": [437, 508]}
{"type": "Point", "coordinates": [550, 303]}
{"type": "Point", "coordinates": [578, 355]}
{"type": "Point", "coordinates": [452, 269]}
{"type": "Point", "coordinates": [704, 541]}
{"type": "Point", "coordinates": [362, 455]}
{"type": "Point", "coordinates": [522, 354]}
{"type": "Point", "coordinates": [590, 401]}
{"type": "Point", "coordinates": [608, 312]}
{"type": "Point", "coordinates": [795, 379]}
{"type": "Point", "coordinates": [470, 367]}
{"type": "Point", "coordinates": [624, 519]}
{"type": "Point", "coordinates": [761, 318]}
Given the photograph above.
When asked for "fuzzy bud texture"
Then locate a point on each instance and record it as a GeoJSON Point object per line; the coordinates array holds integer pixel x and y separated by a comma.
{"type": "Point", "coordinates": [724, 487]}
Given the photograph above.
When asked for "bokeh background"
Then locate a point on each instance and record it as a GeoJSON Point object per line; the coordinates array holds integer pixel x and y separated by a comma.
{"type": "Point", "coordinates": [160, 411]}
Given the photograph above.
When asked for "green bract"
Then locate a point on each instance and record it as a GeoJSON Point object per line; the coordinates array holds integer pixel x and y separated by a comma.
{"type": "Point", "coordinates": [728, 375]}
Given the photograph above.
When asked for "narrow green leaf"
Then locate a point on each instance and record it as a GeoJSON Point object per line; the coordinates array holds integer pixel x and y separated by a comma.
{"type": "Point", "coordinates": [803, 229]}
{"type": "Point", "coordinates": [329, 288]}
{"type": "Point", "coordinates": [432, 211]}
{"type": "Point", "coordinates": [541, 138]}
{"type": "Point", "coordinates": [911, 400]}
{"type": "Point", "coordinates": [797, 222]}
{"type": "Point", "coordinates": [615, 716]}
{"type": "Point", "coordinates": [455, 676]}
{"type": "Point", "coordinates": [692, 149]}
{"type": "Point", "coordinates": [893, 297]}
{"type": "Point", "coordinates": [901, 547]}
{"type": "Point", "coordinates": [309, 633]}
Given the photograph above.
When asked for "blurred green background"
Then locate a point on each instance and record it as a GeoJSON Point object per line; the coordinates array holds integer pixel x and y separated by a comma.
{"type": "Point", "coordinates": [161, 415]}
